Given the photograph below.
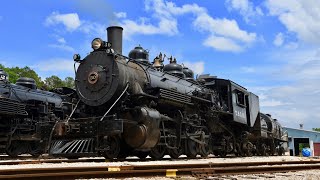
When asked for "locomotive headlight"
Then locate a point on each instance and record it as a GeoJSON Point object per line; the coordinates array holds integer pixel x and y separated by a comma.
{"type": "Point", "coordinates": [96, 43]}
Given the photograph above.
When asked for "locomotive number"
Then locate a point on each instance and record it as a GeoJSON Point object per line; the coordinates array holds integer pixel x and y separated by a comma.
{"type": "Point", "coordinates": [240, 114]}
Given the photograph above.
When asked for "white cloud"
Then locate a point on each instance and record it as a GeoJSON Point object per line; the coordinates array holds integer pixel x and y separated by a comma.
{"type": "Point", "coordinates": [61, 67]}
{"type": "Point", "coordinates": [245, 8]}
{"type": "Point", "coordinates": [54, 65]}
{"type": "Point", "coordinates": [301, 65]}
{"type": "Point", "coordinates": [291, 45]}
{"type": "Point", "coordinates": [270, 103]}
{"type": "Point", "coordinates": [71, 20]}
{"type": "Point", "coordinates": [88, 27]}
{"type": "Point", "coordinates": [307, 70]}
{"type": "Point", "coordinates": [248, 69]}
{"type": "Point", "coordinates": [278, 40]}
{"type": "Point", "coordinates": [61, 40]}
{"type": "Point", "coordinates": [220, 30]}
{"type": "Point", "coordinates": [293, 104]}
{"type": "Point", "coordinates": [196, 67]}
{"type": "Point", "coordinates": [295, 56]}
{"type": "Point", "coordinates": [294, 96]}
{"type": "Point", "coordinates": [61, 44]}
{"type": "Point", "coordinates": [167, 9]}
{"type": "Point", "coordinates": [165, 27]}
{"type": "Point", "coordinates": [223, 27]}
{"type": "Point", "coordinates": [62, 47]}
{"type": "Point", "coordinates": [120, 14]}
{"type": "Point", "coordinates": [165, 14]}
{"type": "Point", "coordinates": [222, 44]}
{"type": "Point", "coordinates": [72, 23]}
{"type": "Point", "coordinates": [298, 16]}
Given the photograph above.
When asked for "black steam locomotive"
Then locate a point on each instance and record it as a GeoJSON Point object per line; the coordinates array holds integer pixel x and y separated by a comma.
{"type": "Point", "coordinates": [130, 106]}
{"type": "Point", "coordinates": [27, 115]}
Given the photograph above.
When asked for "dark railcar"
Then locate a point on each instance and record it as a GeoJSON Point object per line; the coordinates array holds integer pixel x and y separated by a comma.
{"type": "Point", "coordinates": [27, 116]}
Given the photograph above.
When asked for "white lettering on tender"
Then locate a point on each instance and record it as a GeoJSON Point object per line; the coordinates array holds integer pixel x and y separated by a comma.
{"type": "Point", "coordinates": [240, 114]}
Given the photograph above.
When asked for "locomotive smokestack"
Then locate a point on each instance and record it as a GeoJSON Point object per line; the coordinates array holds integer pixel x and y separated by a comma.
{"type": "Point", "coordinates": [115, 38]}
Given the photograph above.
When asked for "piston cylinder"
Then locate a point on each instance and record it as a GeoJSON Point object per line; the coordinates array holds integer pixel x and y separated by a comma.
{"type": "Point", "coordinates": [143, 132]}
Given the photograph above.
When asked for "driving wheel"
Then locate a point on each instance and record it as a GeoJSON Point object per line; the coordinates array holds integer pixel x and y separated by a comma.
{"type": "Point", "coordinates": [113, 147]}
{"type": "Point", "coordinates": [192, 149]}
{"type": "Point", "coordinates": [175, 153]}
{"type": "Point", "coordinates": [157, 152]}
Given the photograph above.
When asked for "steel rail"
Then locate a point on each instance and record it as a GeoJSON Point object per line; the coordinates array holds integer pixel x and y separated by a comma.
{"type": "Point", "coordinates": [198, 170]}
{"type": "Point", "coordinates": [53, 161]}
{"type": "Point", "coordinates": [212, 164]}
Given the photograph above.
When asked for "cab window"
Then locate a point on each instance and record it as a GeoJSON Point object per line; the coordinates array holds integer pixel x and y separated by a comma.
{"type": "Point", "coordinates": [240, 98]}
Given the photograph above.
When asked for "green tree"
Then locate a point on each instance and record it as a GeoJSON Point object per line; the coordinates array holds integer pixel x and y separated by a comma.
{"type": "Point", "coordinates": [15, 73]}
{"type": "Point", "coordinates": [28, 72]}
{"type": "Point", "coordinates": [49, 83]}
{"type": "Point", "coordinates": [316, 129]}
{"type": "Point", "coordinates": [69, 82]}
{"type": "Point", "coordinates": [53, 82]}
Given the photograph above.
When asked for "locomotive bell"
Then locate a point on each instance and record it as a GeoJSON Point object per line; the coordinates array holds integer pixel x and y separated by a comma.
{"type": "Point", "coordinates": [157, 63]}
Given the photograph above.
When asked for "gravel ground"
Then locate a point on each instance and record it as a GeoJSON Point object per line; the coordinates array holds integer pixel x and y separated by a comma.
{"type": "Point", "coordinates": [305, 175]}
{"type": "Point", "coordinates": [299, 175]}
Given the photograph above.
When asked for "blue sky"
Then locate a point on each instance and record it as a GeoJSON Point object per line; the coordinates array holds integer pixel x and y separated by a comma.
{"type": "Point", "coordinates": [269, 46]}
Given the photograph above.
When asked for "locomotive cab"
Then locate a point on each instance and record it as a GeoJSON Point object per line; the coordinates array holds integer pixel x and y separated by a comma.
{"type": "Point", "coordinates": [234, 99]}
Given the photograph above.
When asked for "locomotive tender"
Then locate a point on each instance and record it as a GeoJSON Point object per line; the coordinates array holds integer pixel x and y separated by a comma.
{"type": "Point", "coordinates": [130, 106]}
{"type": "Point", "coordinates": [27, 115]}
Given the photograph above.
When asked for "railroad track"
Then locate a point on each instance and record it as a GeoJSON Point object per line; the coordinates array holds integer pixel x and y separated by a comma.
{"type": "Point", "coordinates": [54, 161]}
{"type": "Point", "coordinates": [5, 160]}
{"type": "Point", "coordinates": [171, 170]}
{"type": "Point", "coordinates": [29, 160]}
